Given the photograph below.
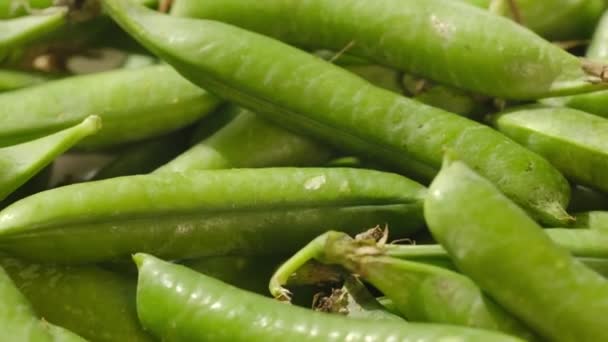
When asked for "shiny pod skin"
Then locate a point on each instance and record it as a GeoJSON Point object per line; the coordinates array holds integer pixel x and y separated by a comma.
{"type": "Point", "coordinates": [507, 254]}
{"type": "Point", "coordinates": [90, 301]}
{"type": "Point", "coordinates": [19, 163]}
{"type": "Point", "coordinates": [18, 321]}
{"type": "Point", "coordinates": [249, 141]}
{"type": "Point", "coordinates": [206, 213]}
{"type": "Point", "coordinates": [178, 304]}
{"type": "Point", "coordinates": [134, 104]}
{"type": "Point", "coordinates": [575, 142]}
{"type": "Point", "coordinates": [304, 93]}
{"type": "Point", "coordinates": [445, 41]}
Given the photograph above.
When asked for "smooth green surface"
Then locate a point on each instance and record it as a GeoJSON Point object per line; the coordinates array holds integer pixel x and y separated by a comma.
{"type": "Point", "coordinates": [134, 104]}
{"type": "Point", "coordinates": [11, 79]}
{"type": "Point", "coordinates": [88, 300]}
{"type": "Point", "coordinates": [206, 213]}
{"type": "Point", "coordinates": [18, 321]}
{"type": "Point", "coordinates": [178, 304]}
{"type": "Point", "coordinates": [297, 90]}
{"type": "Point", "coordinates": [19, 163]}
{"type": "Point", "coordinates": [445, 41]}
{"type": "Point", "coordinates": [575, 142]}
{"type": "Point", "coordinates": [507, 254]}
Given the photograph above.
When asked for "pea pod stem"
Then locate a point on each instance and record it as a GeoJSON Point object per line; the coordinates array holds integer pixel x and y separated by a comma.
{"type": "Point", "coordinates": [355, 115]}
{"type": "Point", "coordinates": [230, 314]}
{"type": "Point", "coordinates": [21, 162]}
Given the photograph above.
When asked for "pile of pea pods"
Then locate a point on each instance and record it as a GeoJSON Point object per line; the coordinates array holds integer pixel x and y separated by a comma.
{"type": "Point", "coordinates": [304, 170]}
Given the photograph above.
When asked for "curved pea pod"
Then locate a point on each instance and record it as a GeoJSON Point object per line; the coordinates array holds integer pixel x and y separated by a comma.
{"type": "Point", "coordinates": [420, 292]}
{"type": "Point", "coordinates": [21, 162]}
{"type": "Point", "coordinates": [206, 213]}
{"type": "Point", "coordinates": [19, 31]}
{"type": "Point", "coordinates": [134, 104]}
{"type": "Point", "coordinates": [304, 93]}
{"type": "Point", "coordinates": [566, 20]}
{"type": "Point", "coordinates": [97, 304]}
{"type": "Point", "coordinates": [507, 254]}
{"type": "Point", "coordinates": [178, 304]}
{"type": "Point", "coordinates": [11, 79]}
{"type": "Point", "coordinates": [443, 40]}
{"type": "Point", "coordinates": [575, 142]}
{"type": "Point", "coordinates": [249, 141]}
{"type": "Point", "coordinates": [18, 320]}
{"type": "Point", "coordinates": [144, 157]}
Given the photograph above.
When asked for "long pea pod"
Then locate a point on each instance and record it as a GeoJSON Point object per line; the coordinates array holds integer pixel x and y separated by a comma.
{"type": "Point", "coordinates": [206, 213]}
{"type": "Point", "coordinates": [506, 253]}
{"type": "Point", "coordinates": [575, 142]}
{"type": "Point", "coordinates": [307, 94]}
{"type": "Point", "coordinates": [595, 102]}
{"type": "Point", "coordinates": [18, 321]}
{"type": "Point", "coordinates": [249, 141]}
{"type": "Point", "coordinates": [97, 304]}
{"type": "Point", "coordinates": [12, 79]}
{"type": "Point", "coordinates": [421, 293]}
{"type": "Point", "coordinates": [436, 39]}
{"type": "Point", "coordinates": [19, 163]}
{"type": "Point", "coordinates": [566, 20]}
{"type": "Point", "coordinates": [134, 104]}
{"type": "Point", "coordinates": [19, 31]}
{"type": "Point", "coordinates": [178, 304]}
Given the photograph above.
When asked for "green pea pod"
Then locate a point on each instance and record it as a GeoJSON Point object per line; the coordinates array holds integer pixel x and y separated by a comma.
{"type": "Point", "coordinates": [595, 102]}
{"type": "Point", "coordinates": [595, 220]}
{"type": "Point", "coordinates": [12, 9]}
{"type": "Point", "coordinates": [134, 104]}
{"type": "Point", "coordinates": [21, 162]}
{"type": "Point", "coordinates": [206, 213]}
{"type": "Point", "coordinates": [575, 142]}
{"type": "Point", "coordinates": [507, 254]}
{"type": "Point", "coordinates": [11, 79]}
{"type": "Point", "coordinates": [178, 304]}
{"type": "Point", "coordinates": [19, 31]}
{"type": "Point", "coordinates": [421, 293]}
{"type": "Point", "coordinates": [144, 157]}
{"type": "Point", "coordinates": [88, 300]}
{"type": "Point", "coordinates": [599, 265]}
{"type": "Point", "coordinates": [565, 21]}
{"type": "Point", "coordinates": [248, 141]}
{"type": "Point", "coordinates": [342, 108]}
{"type": "Point", "coordinates": [443, 40]}
{"type": "Point", "coordinates": [19, 322]}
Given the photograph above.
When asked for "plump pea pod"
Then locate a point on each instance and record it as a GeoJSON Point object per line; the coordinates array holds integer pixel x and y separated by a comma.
{"type": "Point", "coordinates": [507, 254]}
{"type": "Point", "coordinates": [436, 39]}
{"type": "Point", "coordinates": [595, 220]}
{"type": "Point", "coordinates": [249, 141]}
{"type": "Point", "coordinates": [595, 102]}
{"type": "Point", "coordinates": [18, 321]}
{"type": "Point", "coordinates": [11, 79]}
{"type": "Point", "coordinates": [422, 293]}
{"type": "Point", "coordinates": [178, 304]}
{"type": "Point", "coordinates": [19, 31]}
{"type": "Point", "coordinates": [134, 104]}
{"type": "Point", "coordinates": [566, 20]}
{"type": "Point", "coordinates": [206, 213]}
{"type": "Point", "coordinates": [585, 199]}
{"type": "Point", "coordinates": [308, 94]}
{"type": "Point", "coordinates": [355, 301]}
{"type": "Point", "coordinates": [19, 163]}
{"type": "Point", "coordinates": [144, 157]}
{"type": "Point", "coordinates": [575, 142]}
{"type": "Point", "coordinates": [97, 304]}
